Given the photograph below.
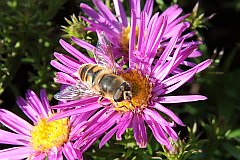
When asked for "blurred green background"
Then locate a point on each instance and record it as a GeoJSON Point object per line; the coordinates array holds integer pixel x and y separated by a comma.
{"type": "Point", "coordinates": [29, 34]}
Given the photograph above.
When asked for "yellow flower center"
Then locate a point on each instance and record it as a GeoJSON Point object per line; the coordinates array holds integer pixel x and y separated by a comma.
{"type": "Point", "coordinates": [125, 36]}
{"type": "Point", "coordinates": [141, 92]}
{"type": "Point", "coordinates": [46, 135]}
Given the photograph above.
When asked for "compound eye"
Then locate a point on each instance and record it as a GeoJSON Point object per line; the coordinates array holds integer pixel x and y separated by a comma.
{"type": "Point", "coordinates": [127, 95]}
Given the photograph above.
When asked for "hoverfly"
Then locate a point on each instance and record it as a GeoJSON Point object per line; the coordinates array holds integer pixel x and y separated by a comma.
{"type": "Point", "coordinates": [99, 79]}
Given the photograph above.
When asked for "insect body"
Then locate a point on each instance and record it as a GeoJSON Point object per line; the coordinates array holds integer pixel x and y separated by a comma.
{"type": "Point", "coordinates": [98, 79]}
{"type": "Point", "coordinates": [105, 82]}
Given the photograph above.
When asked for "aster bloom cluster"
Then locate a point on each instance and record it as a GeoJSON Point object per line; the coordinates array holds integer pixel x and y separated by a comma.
{"type": "Point", "coordinates": [40, 139]}
{"type": "Point", "coordinates": [152, 49]}
{"type": "Point", "coordinates": [119, 31]}
{"type": "Point", "coordinates": [157, 46]}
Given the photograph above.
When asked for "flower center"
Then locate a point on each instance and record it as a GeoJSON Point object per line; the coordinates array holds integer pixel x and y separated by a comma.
{"type": "Point", "coordinates": [125, 36]}
{"type": "Point", "coordinates": [46, 135]}
{"type": "Point", "coordinates": [141, 92]}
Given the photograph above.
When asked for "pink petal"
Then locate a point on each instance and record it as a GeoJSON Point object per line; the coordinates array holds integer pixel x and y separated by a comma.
{"type": "Point", "coordinates": [76, 111]}
{"type": "Point", "coordinates": [92, 13]}
{"type": "Point", "coordinates": [81, 57]}
{"type": "Point", "coordinates": [157, 131]}
{"type": "Point", "coordinates": [67, 61]}
{"type": "Point", "coordinates": [132, 35]}
{"type": "Point", "coordinates": [45, 102]}
{"type": "Point", "coordinates": [62, 67]}
{"type": "Point", "coordinates": [72, 104]}
{"type": "Point", "coordinates": [169, 113]}
{"type": "Point", "coordinates": [35, 102]}
{"type": "Point", "coordinates": [64, 78]}
{"type": "Point", "coordinates": [14, 122]}
{"type": "Point", "coordinates": [148, 8]}
{"type": "Point", "coordinates": [70, 152]}
{"type": "Point", "coordinates": [124, 124]}
{"type": "Point", "coordinates": [108, 136]}
{"type": "Point", "coordinates": [181, 99]}
{"type": "Point", "coordinates": [15, 153]}
{"type": "Point", "coordinates": [139, 129]}
{"type": "Point", "coordinates": [107, 14]}
{"type": "Point", "coordinates": [120, 12]}
{"type": "Point", "coordinates": [27, 109]}
{"type": "Point", "coordinates": [13, 138]}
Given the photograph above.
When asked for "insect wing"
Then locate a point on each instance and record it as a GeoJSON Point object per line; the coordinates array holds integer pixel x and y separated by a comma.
{"type": "Point", "coordinates": [74, 92]}
{"type": "Point", "coordinates": [104, 54]}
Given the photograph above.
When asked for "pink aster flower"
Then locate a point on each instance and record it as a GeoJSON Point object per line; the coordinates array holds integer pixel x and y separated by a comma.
{"type": "Point", "coordinates": [40, 140]}
{"type": "Point", "coordinates": [152, 80]}
{"type": "Point", "coordinates": [120, 31]}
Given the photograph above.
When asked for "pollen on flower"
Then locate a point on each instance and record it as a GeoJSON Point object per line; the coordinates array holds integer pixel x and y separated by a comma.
{"type": "Point", "coordinates": [141, 92]}
{"type": "Point", "coordinates": [125, 36]}
{"type": "Point", "coordinates": [46, 135]}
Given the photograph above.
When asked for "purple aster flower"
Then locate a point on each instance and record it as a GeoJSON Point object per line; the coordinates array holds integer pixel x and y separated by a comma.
{"type": "Point", "coordinates": [120, 31]}
{"type": "Point", "coordinates": [40, 140]}
{"type": "Point", "coordinates": [152, 80]}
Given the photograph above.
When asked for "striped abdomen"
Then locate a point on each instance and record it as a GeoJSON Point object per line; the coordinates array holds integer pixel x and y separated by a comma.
{"type": "Point", "coordinates": [88, 73]}
{"type": "Point", "coordinates": [103, 81]}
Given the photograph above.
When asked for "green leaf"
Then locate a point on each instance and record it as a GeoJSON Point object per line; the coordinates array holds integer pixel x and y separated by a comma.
{"type": "Point", "coordinates": [233, 150]}
{"type": "Point", "coordinates": [234, 133]}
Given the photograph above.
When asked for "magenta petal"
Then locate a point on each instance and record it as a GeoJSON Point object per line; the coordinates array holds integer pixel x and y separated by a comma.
{"type": "Point", "coordinates": [15, 153]}
{"type": "Point", "coordinates": [168, 49]}
{"type": "Point", "coordinates": [169, 113]}
{"type": "Point", "coordinates": [125, 122]}
{"type": "Point", "coordinates": [148, 8]}
{"type": "Point", "coordinates": [92, 13]}
{"type": "Point", "coordinates": [181, 99]}
{"type": "Point", "coordinates": [139, 130]}
{"type": "Point", "coordinates": [159, 36]}
{"type": "Point", "coordinates": [75, 52]}
{"type": "Point", "coordinates": [136, 6]}
{"type": "Point", "coordinates": [38, 156]}
{"type": "Point", "coordinates": [169, 65]}
{"type": "Point", "coordinates": [14, 122]}
{"type": "Point", "coordinates": [84, 44]}
{"type": "Point", "coordinates": [141, 31]}
{"type": "Point", "coordinates": [171, 133]}
{"type": "Point", "coordinates": [27, 109]}
{"type": "Point", "coordinates": [72, 104]}
{"type": "Point", "coordinates": [86, 145]}
{"type": "Point", "coordinates": [132, 35]}
{"type": "Point", "coordinates": [107, 14]}
{"type": "Point", "coordinates": [71, 153]}
{"type": "Point", "coordinates": [183, 55]}
{"type": "Point", "coordinates": [174, 82]}
{"type": "Point", "coordinates": [14, 139]}
{"type": "Point", "coordinates": [120, 12]}
{"type": "Point", "coordinates": [172, 12]}
{"type": "Point", "coordinates": [195, 54]}
{"type": "Point", "coordinates": [185, 77]}
{"type": "Point", "coordinates": [108, 136]}
{"type": "Point", "coordinates": [76, 111]}
{"type": "Point", "coordinates": [35, 102]}
{"type": "Point", "coordinates": [45, 102]}
{"type": "Point", "coordinates": [157, 131]}
{"type": "Point", "coordinates": [108, 121]}
{"type": "Point", "coordinates": [155, 115]}
{"type": "Point", "coordinates": [64, 78]}
{"type": "Point", "coordinates": [52, 154]}
{"type": "Point", "coordinates": [62, 67]}
{"type": "Point", "coordinates": [67, 61]}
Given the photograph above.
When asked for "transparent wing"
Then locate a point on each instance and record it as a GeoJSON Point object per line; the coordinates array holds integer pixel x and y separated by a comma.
{"type": "Point", "coordinates": [104, 54]}
{"type": "Point", "coordinates": [75, 92]}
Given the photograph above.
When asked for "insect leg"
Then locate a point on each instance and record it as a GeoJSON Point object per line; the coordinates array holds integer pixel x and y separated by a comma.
{"type": "Point", "coordinates": [100, 101]}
